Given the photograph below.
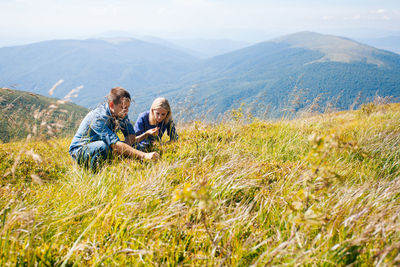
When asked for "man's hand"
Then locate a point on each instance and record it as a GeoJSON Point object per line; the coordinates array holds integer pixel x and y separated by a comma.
{"type": "Point", "coordinates": [124, 149]}
{"type": "Point", "coordinates": [151, 156]}
{"type": "Point", "coordinates": [153, 131]}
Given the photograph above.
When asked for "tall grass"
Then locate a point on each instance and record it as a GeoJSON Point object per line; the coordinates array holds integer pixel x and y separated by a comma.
{"type": "Point", "coordinates": [321, 190]}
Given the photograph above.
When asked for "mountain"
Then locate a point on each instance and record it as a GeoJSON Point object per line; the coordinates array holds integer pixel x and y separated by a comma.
{"type": "Point", "coordinates": [296, 68]}
{"type": "Point", "coordinates": [24, 114]}
{"type": "Point", "coordinates": [292, 72]}
{"type": "Point", "coordinates": [207, 48]}
{"type": "Point", "coordinates": [95, 64]}
{"type": "Point", "coordinates": [198, 47]}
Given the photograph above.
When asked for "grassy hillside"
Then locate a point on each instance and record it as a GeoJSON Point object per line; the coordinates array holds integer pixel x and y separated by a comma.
{"type": "Point", "coordinates": [320, 190]}
{"type": "Point", "coordinates": [24, 114]}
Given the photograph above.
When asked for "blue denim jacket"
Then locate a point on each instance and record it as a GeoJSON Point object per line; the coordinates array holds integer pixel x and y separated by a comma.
{"type": "Point", "coordinates": [99, 125]}
{"type": "Point", "coordinates": [143, 124]}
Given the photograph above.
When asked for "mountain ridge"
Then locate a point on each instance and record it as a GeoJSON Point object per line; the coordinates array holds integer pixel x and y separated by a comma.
{"type": "Point", "coordinates": [330, 45]}
{"type": "Point", "coordinates": [314, 63]}
{"type": "Point", "coordinates": [276, 71]}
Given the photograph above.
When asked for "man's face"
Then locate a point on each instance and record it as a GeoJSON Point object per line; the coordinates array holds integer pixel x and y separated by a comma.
{"type": "Point", "coordinates": [121, 110]}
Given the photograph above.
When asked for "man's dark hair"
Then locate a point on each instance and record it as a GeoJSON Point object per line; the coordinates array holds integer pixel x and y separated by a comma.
{"type": "Point", "coordinates": [117, 94]}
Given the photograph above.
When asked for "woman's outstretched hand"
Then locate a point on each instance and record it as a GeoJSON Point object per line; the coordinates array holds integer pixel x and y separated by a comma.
{"type": "Point", "coordinates": [153, 131]}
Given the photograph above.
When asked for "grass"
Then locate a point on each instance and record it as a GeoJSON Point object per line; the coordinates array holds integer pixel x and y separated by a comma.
{"type": "Point", "coordinates": [24, 113]}
{"type": "Point", "coordinates": [320, 190]}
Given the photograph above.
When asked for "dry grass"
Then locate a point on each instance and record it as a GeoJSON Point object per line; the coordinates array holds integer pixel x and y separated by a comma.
{"type": "Point", "coordinates": [320, 190]}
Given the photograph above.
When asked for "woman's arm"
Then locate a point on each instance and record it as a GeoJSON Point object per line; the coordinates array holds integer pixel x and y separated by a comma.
{"type": "Point", "coordinates": [143, 136]}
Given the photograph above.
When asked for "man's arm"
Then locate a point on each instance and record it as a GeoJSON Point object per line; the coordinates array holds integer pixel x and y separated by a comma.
{"type": "Point", "coordinates": [130, 139]}
{"type": "Point", "coordinates": [122, 148]}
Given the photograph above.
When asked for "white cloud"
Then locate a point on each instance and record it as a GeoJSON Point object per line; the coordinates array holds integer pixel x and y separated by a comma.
{"type": "Point", "coordinates": [327, 17]}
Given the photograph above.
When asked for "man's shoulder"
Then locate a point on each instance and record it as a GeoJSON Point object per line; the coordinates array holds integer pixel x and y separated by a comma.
{"type": "Point", "coordinates": [101, 111]}
{"type": "Point", "coordinates": [96, 115]}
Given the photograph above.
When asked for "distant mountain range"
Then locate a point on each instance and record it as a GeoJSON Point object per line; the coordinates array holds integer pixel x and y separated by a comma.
{"type": "Point", "coordinates": [198, 47]}
{"type": "Point", "coordinates": [300, 66]}
{"type": "Point", "coordinates": [290, 72]}
{"type": "Point", "coordinates": [97, 65]}
{"type": "Point", "coordinates": [390, 43]}
{"type": "Point", "coordinates": [206, 48]}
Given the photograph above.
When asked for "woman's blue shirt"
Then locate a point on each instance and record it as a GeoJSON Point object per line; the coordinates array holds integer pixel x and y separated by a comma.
{"type": "Point", "coordinates": [143, 124]}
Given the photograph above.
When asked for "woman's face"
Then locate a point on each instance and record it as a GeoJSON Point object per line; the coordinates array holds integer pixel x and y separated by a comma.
{"type": "Point", "coordinates": [160, 114]}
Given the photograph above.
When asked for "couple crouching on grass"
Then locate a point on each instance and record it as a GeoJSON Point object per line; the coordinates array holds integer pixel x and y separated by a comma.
{"type": "Point", "coordinates": [96, 139]}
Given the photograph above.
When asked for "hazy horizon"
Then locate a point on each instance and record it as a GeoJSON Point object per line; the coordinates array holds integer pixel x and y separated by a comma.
{"type": "Point", "coordinates": [26, 21]}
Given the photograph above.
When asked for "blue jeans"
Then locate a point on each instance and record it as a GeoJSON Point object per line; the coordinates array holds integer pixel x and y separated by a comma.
{"type": "Point", "coordinates": [92, 155]}
{"type": "Point", "coordinates": [142, 146]}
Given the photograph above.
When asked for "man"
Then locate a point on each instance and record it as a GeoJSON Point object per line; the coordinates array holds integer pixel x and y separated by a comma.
{"type": "Point", "coordinates": [96, 138]}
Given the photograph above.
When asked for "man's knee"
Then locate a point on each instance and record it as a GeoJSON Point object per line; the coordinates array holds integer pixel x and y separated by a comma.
{"type": "Point", "coordinates": [94, 153]}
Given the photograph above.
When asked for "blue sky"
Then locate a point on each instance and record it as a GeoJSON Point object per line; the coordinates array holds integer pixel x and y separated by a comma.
{"type": "Point", "coordinates": [251, 20]}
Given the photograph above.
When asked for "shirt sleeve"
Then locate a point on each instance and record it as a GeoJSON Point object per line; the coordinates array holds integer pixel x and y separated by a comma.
{"type": "Point", "coordinates": [103, 132]}
{"type": "Point", "coordinates": [139, 125]}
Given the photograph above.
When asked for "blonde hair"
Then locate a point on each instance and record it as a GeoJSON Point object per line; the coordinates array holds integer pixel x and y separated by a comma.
{"type": "Point", "coordinates": [160, 102]}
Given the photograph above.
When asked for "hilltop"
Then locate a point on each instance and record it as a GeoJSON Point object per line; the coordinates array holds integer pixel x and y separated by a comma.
{"type": "Point", "coordinates": [334, 48]}
{"type": "Point", "coordinates": [319, 190]}
{"type": "Point", "coordinates": [24, 114]}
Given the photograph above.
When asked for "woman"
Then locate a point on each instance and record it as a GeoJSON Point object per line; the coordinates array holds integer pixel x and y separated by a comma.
{"type": "Point", "coordinates": [152, 124]}
{"type": "Point", "coordinates": [97, 139]}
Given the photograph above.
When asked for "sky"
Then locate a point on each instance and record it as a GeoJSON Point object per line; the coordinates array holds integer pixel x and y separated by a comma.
{"type": "Point", "coordinates": [24, 21]}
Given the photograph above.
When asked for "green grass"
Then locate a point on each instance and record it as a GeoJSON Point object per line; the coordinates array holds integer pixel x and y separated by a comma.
{"type": "Point", "coordinates": [320, 190]}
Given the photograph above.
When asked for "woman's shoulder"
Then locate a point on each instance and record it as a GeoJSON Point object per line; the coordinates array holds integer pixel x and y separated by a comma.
{"type": "Point", "coordinates": [144, 115]}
